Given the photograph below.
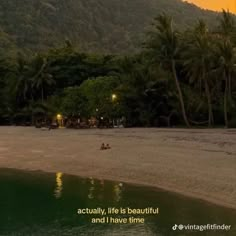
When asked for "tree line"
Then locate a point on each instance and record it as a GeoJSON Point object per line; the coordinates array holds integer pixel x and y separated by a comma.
{"type": "Point", "coordinates": [179, 78]}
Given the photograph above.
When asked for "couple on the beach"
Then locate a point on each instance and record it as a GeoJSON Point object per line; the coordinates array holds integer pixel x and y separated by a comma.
{"type": "Point", "coordinates": [105, 147]}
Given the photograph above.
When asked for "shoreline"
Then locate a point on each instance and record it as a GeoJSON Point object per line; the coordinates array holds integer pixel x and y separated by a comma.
{"type": "Point", "coordinates": [200, 165]}
{"type": "Point", "coordinates": [141, 184]}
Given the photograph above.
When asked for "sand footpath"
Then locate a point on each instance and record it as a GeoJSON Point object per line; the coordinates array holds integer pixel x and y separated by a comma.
{"type": "Point", "coordinates": [196, 163]}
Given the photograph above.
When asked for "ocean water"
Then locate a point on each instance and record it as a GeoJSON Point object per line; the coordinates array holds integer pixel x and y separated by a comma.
{"type": "Point", "coordinates": [34, 203]}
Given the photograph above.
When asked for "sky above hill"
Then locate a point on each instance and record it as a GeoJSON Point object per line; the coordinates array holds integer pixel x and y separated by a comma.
{"type": "Point", "coordinates": [216, 5]}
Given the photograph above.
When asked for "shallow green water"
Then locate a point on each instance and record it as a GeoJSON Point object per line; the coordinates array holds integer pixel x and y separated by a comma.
{"type": "Point", "coordinates": [39, 204]}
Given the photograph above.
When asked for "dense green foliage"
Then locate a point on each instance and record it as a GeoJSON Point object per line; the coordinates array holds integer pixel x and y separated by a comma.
{"type": "Point", "coordinates": [179, 77]}
{"type": "Point", "coordinates": [104, 26]}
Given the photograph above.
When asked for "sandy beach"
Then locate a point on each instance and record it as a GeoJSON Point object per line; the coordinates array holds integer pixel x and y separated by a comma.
{"type": "Point", "coordinates": [196, 163]}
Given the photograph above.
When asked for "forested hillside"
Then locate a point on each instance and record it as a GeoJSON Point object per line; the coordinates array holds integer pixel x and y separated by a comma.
{"type": "Point", "coordinates": [94, 25]}
{"type": "Point", "coordinates": [178, 77]}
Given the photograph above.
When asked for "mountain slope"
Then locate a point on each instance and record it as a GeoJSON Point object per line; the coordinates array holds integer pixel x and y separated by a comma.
{"type": "Point", "coordinates": [95, 25]}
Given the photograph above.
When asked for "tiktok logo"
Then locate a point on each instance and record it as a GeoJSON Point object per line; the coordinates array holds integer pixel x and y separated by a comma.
{"type": "Point", "coordinates": [175, 227]}
{"type": "Point", "coordinates": [180, 227]}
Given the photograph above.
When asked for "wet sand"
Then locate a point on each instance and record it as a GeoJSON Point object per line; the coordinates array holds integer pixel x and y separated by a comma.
{"type": "Point", "coordinates": [196, 163]}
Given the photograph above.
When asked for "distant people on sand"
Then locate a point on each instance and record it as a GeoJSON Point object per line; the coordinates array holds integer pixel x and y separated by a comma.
{"type": "Point", "coordinates": [105, 147]}
{"type": "Point", "coordinates": [102, 146]}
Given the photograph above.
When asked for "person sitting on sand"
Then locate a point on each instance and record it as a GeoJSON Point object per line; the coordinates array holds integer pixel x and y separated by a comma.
{"type": "Point", "coordinates": [108, 146]}
{"type": "Point", "coordinates": [103, 147]}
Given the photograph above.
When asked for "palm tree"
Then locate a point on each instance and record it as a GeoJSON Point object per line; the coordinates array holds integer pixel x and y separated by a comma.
{"type": "Point", "coordinates": [164, 43]}
{"type": "Point", "coordinates": [225, 53]}
{"type": "Point", "coordinates": [197, 58]}
{"type": "Point", "coordinates": [227, 25]}
{"type": "Point", "coordinates": [23, 83]}
{"type": "Point", "coordinates": [41, 78]}
{"type": "Point", "coordinates": [227, 30]}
